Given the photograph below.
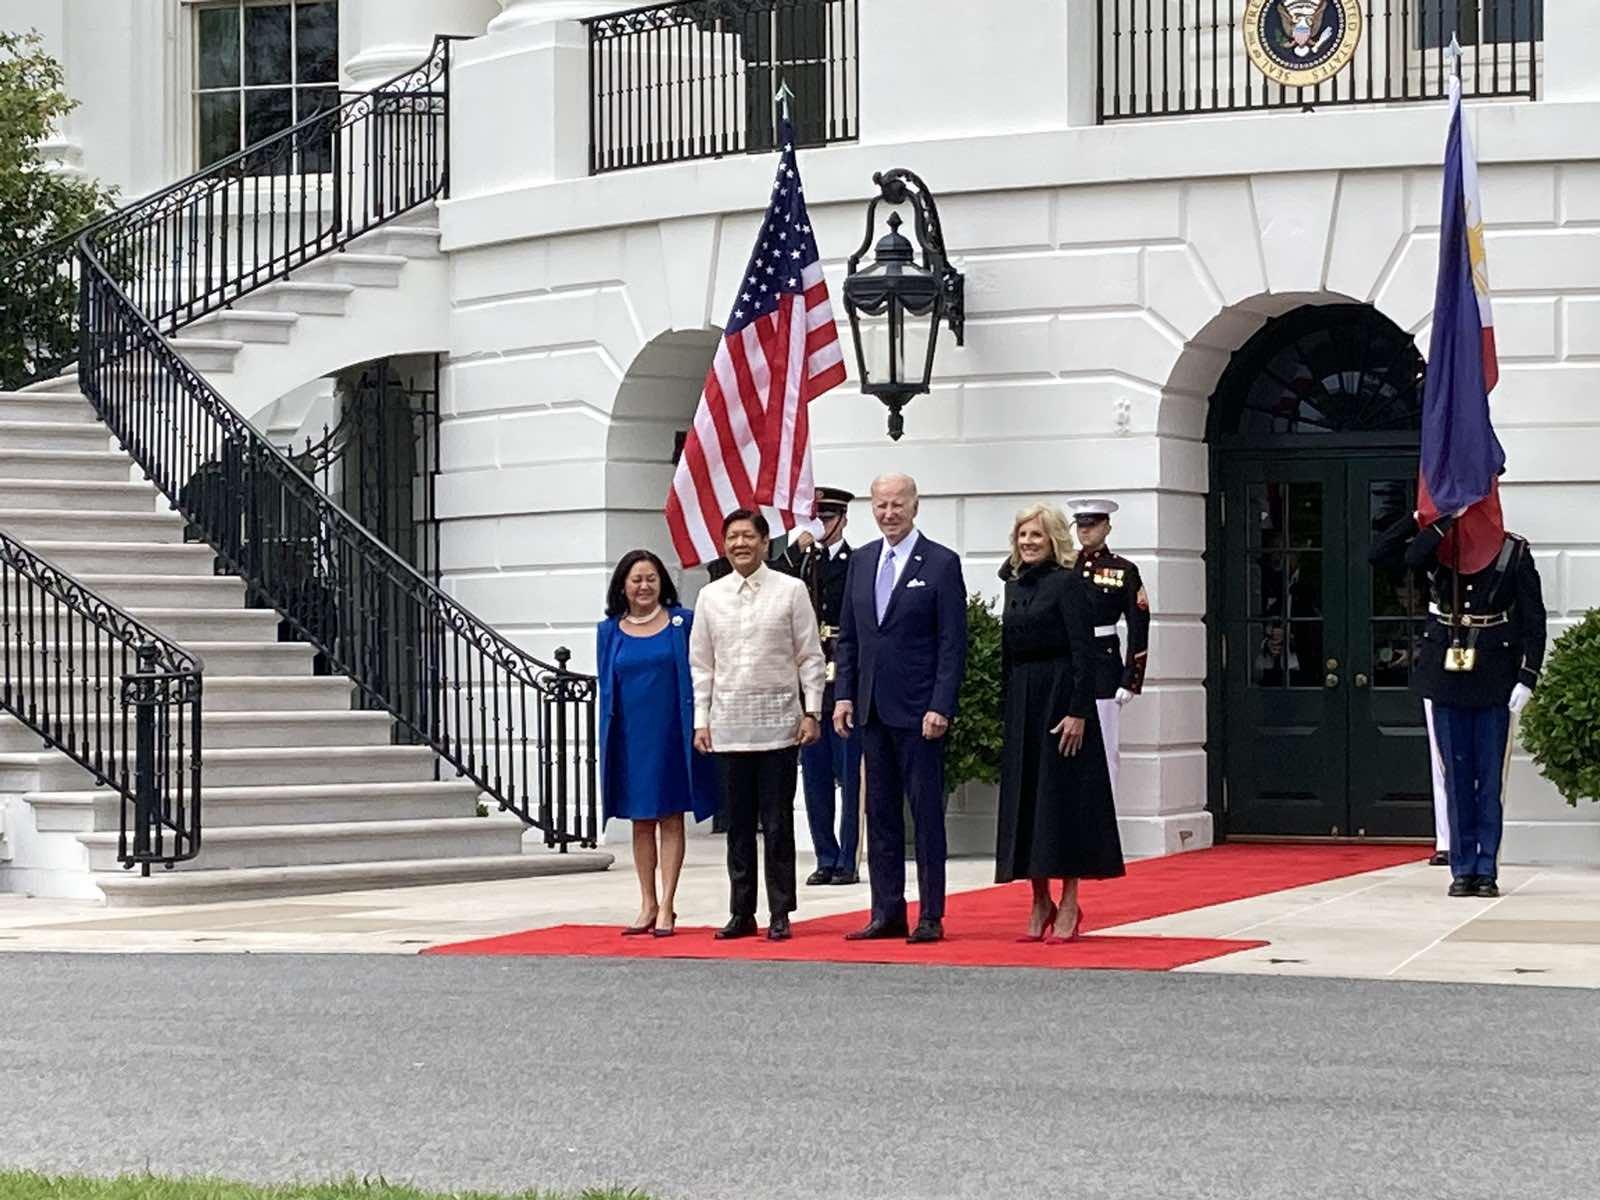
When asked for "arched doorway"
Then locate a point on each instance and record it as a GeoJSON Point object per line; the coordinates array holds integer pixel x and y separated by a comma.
{"type": "Point", "coordinates": [1313, 434]}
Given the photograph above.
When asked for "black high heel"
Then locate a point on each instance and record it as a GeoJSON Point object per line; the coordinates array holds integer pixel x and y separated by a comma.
{"type": "Point", "coordinates": [670, 929]}
{"type": "Point", "coordinates": [645, 930]}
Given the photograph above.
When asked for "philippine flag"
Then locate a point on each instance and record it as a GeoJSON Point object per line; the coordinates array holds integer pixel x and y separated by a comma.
{"type": "Point", "coordinates": [1461, 457]}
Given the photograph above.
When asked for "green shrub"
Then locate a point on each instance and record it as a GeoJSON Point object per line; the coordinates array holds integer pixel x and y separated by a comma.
{"type": "Point", "coordinates": [973, 755]}
{"type": "Point", "coordinates": [1561, 725]}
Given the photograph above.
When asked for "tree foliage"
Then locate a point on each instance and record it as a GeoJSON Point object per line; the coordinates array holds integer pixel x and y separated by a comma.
{"type": "Point", "coordinates": [973, 755]}
{"type": "Point", "coordinates": [38, 205]}
{"type": "Point", "coordinates": [1561, 725]}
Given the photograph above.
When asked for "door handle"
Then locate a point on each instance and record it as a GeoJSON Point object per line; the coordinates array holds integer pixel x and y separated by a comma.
{"type": "Point", "coordinates": [1361, 681]}
{"type": "Point", "coordinates": [1332, 681]}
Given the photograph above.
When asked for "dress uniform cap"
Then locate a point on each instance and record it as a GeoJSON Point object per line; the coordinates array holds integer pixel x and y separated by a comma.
{"type": "Point", "coordinates": [1088, 508]}
{"type": "Point", "coordinates": [832, 501]}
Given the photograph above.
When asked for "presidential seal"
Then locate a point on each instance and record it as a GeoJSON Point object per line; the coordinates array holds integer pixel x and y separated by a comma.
{"type": "Point", "coordinates": [1299, 43]}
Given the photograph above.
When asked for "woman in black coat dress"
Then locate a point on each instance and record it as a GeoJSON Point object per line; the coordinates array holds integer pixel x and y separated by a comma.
{"type": "Point", "coordinates": [1057, 819]}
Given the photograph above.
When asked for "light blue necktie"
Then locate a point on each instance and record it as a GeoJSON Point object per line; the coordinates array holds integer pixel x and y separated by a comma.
{"type": "Point", "coordinates": [885, 583]}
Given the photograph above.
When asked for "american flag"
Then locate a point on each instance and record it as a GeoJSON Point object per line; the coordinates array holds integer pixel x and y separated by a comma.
{"type": "Point", "coordinates": [750, 446]}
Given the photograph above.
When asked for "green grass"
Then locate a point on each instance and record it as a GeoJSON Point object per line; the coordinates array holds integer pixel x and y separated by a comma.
{"type": "Point", "coordinates": [27, 1185]}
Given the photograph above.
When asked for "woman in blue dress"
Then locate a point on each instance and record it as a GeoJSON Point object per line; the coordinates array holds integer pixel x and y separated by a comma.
{"type": "Point", "coordinates": [649, 772]}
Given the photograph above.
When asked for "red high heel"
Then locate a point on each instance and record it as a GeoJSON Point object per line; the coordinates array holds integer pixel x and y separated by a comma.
{"type": "Point", "coordinates": [1048, 922]}
{"type": "Point", "coordinates": [1077, 925]}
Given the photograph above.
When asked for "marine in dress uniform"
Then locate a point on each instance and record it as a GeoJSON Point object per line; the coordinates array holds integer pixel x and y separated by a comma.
{"type": "Point", "coordinates": [830, 768]}
{"type": "Point", "coordinates": [1481, 654]}
{"type": "Point", "coordinates": [1116, 592]}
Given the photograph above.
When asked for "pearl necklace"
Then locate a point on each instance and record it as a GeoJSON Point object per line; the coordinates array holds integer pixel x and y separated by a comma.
{"type": "Point", "coordinates": [644, 620]}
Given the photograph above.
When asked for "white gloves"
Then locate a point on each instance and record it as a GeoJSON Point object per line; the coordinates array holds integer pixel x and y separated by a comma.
{"type": "Point", "coordinates": [1520, 695]}
{"type": "Point", "coordinates": [1123, 696]}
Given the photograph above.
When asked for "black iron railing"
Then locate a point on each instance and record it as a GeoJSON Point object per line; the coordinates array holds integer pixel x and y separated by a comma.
{"type": "Point", "coordinates": [249, 219]}
{"type": "Point", "coordinates": [1163, 58]}
{"type": "Point", "coordinates": [522, 729]}
{"type": "Point", "coordinates": [696, 79]}
{"type": "Point", "coordinates": [111, 694]}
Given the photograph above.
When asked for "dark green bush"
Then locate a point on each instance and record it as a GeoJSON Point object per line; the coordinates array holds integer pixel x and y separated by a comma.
{"type": "Point", "coordinates": [973, 755]}
{"type": "Point", "coordinates": [1561, 725]}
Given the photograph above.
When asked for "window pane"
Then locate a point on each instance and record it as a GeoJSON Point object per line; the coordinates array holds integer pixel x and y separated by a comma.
{"type": "Point", "coordinates": [316, 43]}
{"type": "Point", "coordinates": [217, 35]}
{"type": "Point", "coordinates": [1305, 515]}
{"type": "Point", "coordinates": [316, 145]}
{"type": "Point", "coordinates": [267, 113]}
{"type": "Point", "coordinates": [266, 44]}
{"type": "Point", "coordinates": [219, 126]}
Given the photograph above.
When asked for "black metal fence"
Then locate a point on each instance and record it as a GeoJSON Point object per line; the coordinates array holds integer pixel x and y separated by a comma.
{"type": "Point", "coordinates": [697, 79]}
{"type": "Point", "coordinates": [1182, 57]}
{"type": "Point", "coordinates": [113, 695]}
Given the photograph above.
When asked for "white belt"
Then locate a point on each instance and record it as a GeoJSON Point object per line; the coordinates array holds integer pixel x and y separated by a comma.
{"type": "Point", "coordinates": [1101, 631]}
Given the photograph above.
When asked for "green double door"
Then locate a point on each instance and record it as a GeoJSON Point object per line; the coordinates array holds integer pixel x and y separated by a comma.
{"type": "Point", "coordinates": [1322, 736]}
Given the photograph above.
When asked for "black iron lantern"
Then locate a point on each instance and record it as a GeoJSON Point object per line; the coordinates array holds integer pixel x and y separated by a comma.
{"type": "Point", "coordinates": [896, 305]}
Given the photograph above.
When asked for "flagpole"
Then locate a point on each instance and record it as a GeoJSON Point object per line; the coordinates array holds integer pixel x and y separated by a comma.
{"type": "Point", "coordinates": [783, 95]}
{"type": "Point", "coordinates": [1453, 52]}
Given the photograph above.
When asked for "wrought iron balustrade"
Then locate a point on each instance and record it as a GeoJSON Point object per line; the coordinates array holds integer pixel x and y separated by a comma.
{"type": "Point", "coordinates": [249, 219]}
{"type": "Point", "coordinates": [111, 694]}
{"type": "Point", "coordinates": [1160, 58]}
{"type": "Point", "coordinates": [696, 79]}
{"type": "Point", "coordinates": [522, 729]}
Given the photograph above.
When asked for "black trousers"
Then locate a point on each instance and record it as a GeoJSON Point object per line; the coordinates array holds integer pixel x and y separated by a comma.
{"type": "Point", "coordinates": [904, 768]}
{"type": "Point", "coordinates": [760, 784]}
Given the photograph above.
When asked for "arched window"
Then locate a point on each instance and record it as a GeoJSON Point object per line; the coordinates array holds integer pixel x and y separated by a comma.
{"type": "Point", "coordinates": [1321, 370]}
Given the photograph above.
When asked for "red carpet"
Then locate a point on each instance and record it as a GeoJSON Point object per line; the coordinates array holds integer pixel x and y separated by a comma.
{"type": "Point", "coordinates": [981, 926]}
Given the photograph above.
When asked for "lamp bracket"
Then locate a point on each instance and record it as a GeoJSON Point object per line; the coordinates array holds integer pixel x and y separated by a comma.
{"type": "Point", "coordinates": [903, 186]}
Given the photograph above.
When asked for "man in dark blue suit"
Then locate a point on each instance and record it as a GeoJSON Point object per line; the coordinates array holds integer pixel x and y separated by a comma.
{"type": "Point", "coordinates": [901, 655]}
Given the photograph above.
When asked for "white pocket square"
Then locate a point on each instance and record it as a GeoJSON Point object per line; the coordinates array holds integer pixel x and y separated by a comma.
{"type": "Point", "coordinates": [911, 583]}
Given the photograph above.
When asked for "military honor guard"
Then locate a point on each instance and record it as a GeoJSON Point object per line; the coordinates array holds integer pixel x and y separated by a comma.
{"type": "Point", "coordinates": [1116, 593]}
{"type": "Point", "coordinates": [831, 768]}
{"type": "Point", "coordinates": [1481, 654]}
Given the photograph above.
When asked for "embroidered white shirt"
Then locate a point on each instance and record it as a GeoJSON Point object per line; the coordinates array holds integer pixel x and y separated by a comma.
{"type": "Point", "coordinates": [902, 552]}
{"type": "Point", "coordinates": [753, 655]}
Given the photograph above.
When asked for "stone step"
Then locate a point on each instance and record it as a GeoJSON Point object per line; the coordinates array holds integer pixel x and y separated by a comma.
{"type": "Point", "coordinates": [303, 296]}
{"type": "Point", "coordinates": [52, 435]}
{"type": "Point", "coordinates": [275, 659]}
{"type": "Point", "coordinates": [167, 591]}
{"type": "Point", "coordinates": [61, 527]}
{"type": "Point", "coordinates": [49, 771]}
{"type": "Point", "coordinates": [353, 267]}
{"type": "Point", "coordinates": [409, 241]}
{"type": "Point", "coordinates": [182, 560]}
{"type": "Point", "coordinates": [65, 407]}
{"type": "Point", "coordinates": [235, 807]}
{"type": "Point", "coordinates": [256, 846]}
{"type": "Point", "coordinates": [212, 356]}
{"type": "Point", "coordinates": [259, 326]}
{"type": "Point", "coordinates": [185, 625]}
{"type": "Point", "coordinates": [112, 466]}
{"type": "Point", "coordinates": [95, 495]}
{"type": "Point", "coordinates": [124, 889]}
{"type": "Point", "coordinates": [227, 693]}
{"type": "Point", "coordinates": [251, 730]}
{"type": "Point", "coordinates": [64, 384]}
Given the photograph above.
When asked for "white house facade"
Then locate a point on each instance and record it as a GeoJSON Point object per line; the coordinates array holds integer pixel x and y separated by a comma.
{"type": "Point", "coordinates": [1144, 289]}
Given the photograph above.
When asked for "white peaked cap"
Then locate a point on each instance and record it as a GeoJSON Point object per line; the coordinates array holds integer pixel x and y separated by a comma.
{"type": "Point", "coordinates": [1092, 507]}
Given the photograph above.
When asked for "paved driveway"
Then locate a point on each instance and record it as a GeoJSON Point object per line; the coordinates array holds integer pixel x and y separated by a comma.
{"type": "Point", "coordinates": [716, 1081]}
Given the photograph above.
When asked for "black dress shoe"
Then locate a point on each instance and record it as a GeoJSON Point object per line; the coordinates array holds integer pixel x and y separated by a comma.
{"type": "Point", "coordinates": [819, 876]}
{"type": "Point", "coordinates": [1487, 887]}
{"type": "Point", "coordinates": [1441, 858]}
{"type": "Point", "coordinates": [877, 931]}
{"type": "Point", "coordinates": [778, 929]}
{"type": "Point", "coordinates": [738, 927]}
{"type": "Point", "coordinates": [845, 877]}
{"type": "Point", "coordinates": [1464, 885]}
{"type": "Point", "coordinates": [927, 931]}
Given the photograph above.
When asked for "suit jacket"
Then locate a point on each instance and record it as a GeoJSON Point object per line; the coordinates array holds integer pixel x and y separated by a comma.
{"type": "Point", "coordinates": [913, 662]}
{"type": "Point", "coordinates": [700, 770]}
{"type": "Point", "coordinates": [1507, 654]}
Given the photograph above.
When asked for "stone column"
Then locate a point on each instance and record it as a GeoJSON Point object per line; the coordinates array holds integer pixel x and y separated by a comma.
{"type": "Point", "coordinates": [1571, 41]}
{"type": "Point", "coordinates": [521, 13]}
{"type": "Point", "coordinates": [378, 39]}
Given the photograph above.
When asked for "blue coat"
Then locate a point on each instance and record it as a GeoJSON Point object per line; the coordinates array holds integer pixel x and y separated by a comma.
{"type": "Point", "coordinates": [699, 768]}
{"type": "Point", "coordinates": [912, 664]}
